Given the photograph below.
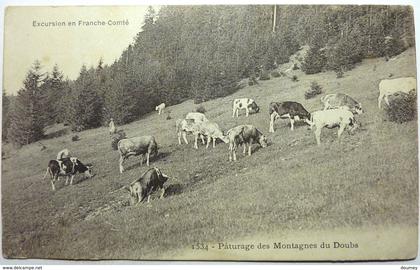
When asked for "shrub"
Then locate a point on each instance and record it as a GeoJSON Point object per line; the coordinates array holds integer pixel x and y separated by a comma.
{"type": "Point", "coordinates": [201, 109]}
{"type": "Point", "coordinates": [340, 74]}
{"type": "Point", "coordinates": [295, 66]}
{"type": "Point", "coordinates": [402, 108]}
{"type": "Point", "coordinates": [75, 138]}
{"type": "Point", "coordinates": [282, 74]}
{"type": "Point", "coordinates": [315, 90]}
{"type": "Point", "coordinates": [265, 75]}
{"type": "Point", "coordinates": [275, 74]}
{"type": "Point", "coordinates": [314, 61]}
{"type": "Point", "coordinates": [118, 136]}
{"type": "Point", "coordinates": [294, 78]}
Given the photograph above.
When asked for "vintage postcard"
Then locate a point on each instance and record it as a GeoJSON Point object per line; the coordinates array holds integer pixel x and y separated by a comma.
{"type": "Point", "coordinates": [210, 132]}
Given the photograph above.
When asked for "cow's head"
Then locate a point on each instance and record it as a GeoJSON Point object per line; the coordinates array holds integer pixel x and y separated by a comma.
{"type": "Point", "coordinates": [254, 107]}
{"type": "Point", "coordinates": [163, 178]}
{"type": "Point", "coordinates": [358, 108]}
{"type": "Point", "coordinates": [262, 140]}
{"type": "Point", "coordinates": [82, 168]}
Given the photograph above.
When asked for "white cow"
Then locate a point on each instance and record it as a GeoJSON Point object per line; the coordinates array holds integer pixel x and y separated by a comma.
{"type": "Point", "coordinates": [212, 131]}
{"type": "Point", "coordinates": [160, 108]}
{"type": "Point", "coordinates": [244, 103]}
{"type": "Point", "coordinates": [196, 116]}
{"type": "Point", "coordinates": [389, 87]}
{"type": "Point", "coordinates": [330, 119]}
{"type": "Point", "coordinates": [187, 126]}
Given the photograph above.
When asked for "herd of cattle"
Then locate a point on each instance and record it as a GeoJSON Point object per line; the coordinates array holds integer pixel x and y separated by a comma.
{"type": "Point", "coordinates": [338, 111]}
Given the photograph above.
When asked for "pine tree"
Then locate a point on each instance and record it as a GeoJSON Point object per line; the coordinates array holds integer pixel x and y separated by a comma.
{"type": "Point", "coordinates": [5, 115]}
{"type": "Point", "coordinates": [27, 120]}
{"type": "Point", "coordinates": [54, 87]}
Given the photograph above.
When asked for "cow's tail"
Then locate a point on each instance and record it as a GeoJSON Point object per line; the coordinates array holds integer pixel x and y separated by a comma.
{"type": "Point", "coordinates": [48, 172]}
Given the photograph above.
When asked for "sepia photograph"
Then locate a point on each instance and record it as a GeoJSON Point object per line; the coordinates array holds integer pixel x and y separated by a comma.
{"type": "Point", "coordinates": [210, 133]}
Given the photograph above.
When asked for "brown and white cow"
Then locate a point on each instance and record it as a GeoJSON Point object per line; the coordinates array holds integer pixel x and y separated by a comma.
{"type": "Point", "coordinates": [247, 104]}
{"type": "Point", "coordinates": [343, 101]}
{"type": "Point", "coordinates": [287, 109]}
{"type": "Point", "coordinates": [244, 135]}
{"type": "Point", "coordinates": [152, 180]}
{"type": "Point", "coordinates": [144, 145]}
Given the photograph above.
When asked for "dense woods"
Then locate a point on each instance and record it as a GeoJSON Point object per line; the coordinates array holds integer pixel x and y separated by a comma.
{"type": "Point", "coordinates": [200, 53]}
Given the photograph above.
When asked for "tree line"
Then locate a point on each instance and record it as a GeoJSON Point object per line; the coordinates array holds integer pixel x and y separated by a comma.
{"type": "Point", "coordinates": [200, 53]}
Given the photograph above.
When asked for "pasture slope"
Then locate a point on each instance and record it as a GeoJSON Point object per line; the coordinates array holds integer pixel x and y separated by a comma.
{"type": "Point", "coordinates": [367, 181]}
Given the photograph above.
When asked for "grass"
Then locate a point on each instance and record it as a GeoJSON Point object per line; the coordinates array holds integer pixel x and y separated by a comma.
{"type": "Point", "coordinates": [369, 178]}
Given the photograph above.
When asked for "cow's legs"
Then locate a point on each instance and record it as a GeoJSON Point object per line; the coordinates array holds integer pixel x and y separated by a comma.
{"type": "Point", "coordinates": [53, 179]}
{"type": "Point", "coordinates": [292, 121]}
{"type": "Point", "coordinates": [386, 100]}
{"type": "Point", "coordinates": [202, 139]}
{"type": "Point", "coordinates": [247, 111]}
{"type": "Point", "coordinates": [233, 112]}
{"type": "Point", "coordinates": [340, 130]}
{"type": "Point", "coordinates": [237, 112]}
{"type": "Point", "coordinates": [249, 149]}
{"type": "Point", "coordinates": [147, 158]}
{"type": "Point", "coordinates": [67, 180]}
{"type": "Point", "coordinates": [184, 136]}
{"type": "Point", "coordinates": [162, 193]}
{"type": "Point", "coordinates": [71, 179]}
{"type": "Point", "coordinates": [379, 100]}
{"type": "Point", "coordinates": [208, 141]}
{"type": "Point", "coordinates": [214, 142]}
{"type": "Point", "coordinates": [179, 138]}
{"type": "Point", "coordinates": [272, 119]}
{"type": "Point", "coordinates": [148, 198]}
{"type": "Point", "coordinates": [244, 149]}
{"type": "Point", "coordinates": [195, 141]}
{"type": "Point", "coordinates": [121, 166]}
{"type": "Point", "coordinates": [318, 135]}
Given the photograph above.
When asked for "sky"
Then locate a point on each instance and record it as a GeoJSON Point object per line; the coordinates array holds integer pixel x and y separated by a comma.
{"type": "Point", "coordinates": [27, 40]}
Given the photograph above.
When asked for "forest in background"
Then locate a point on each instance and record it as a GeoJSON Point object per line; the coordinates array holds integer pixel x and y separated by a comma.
{"type": "Point", "coordinates": [200, 53]}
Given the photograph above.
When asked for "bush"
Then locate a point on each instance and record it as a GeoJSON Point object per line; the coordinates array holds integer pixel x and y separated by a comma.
{"type": "Point", "coordinates": [201, 109]}
{"type": "Point", "coordinates": [118, 136]}
{"type": "Point", "coordinates": [402, 108]}
{"type": "Point", "coordinates": [315, 61]}
{"type": "Point", "coordinates": [75, 138]}
{"type": "Point", "coordinates": [265, 75]}
{"type": "Point", "coordinates": [294, 78]}
{"type": "Point", "coordinates": [295, 66]}
{"type": "Point", "coordinates": [315, 90]}
{"type": "Point", "coordinates": [275, 74]}
{"type": "Point", "coordinates": [340, 74]}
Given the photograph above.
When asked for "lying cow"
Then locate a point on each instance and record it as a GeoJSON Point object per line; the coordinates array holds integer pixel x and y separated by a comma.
{"type": "Point", "coordinates": [144, 145]}
{"type": "Point", "coordinates": [343, 101]}
{"type": "Point", "coordinates": [196, 117]}
{"type": "Point", "coordinates": [68, 167]}
{"type": "Point", "coordinates": [245, 135]}
{"type": "Point", "coordinates": [288, 109]}
{"type": "Point", "coordinates": [389, 87]}
{"type": "Point", "coordinates": [247, 104]}
{"type": "Point", "coordinates": [160, 108]}
{"type": "Point", "coordinates": [152, 180]}
{"type": "Point", "coordinates": [187, 126]}
{"type": "Point", "coordinates": [341, 118]}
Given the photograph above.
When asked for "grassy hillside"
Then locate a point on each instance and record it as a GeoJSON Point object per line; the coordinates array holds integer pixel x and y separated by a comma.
{"type": "Point", "coordinates": [370, 178]}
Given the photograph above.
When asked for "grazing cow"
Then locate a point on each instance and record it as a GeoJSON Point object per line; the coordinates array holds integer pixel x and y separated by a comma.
{"type": "Point", "coordinates": [187, 126]}
{"type": "Point", "coordinates": [152, 180]}
{"type": "Point", "coordinates": [389, 87]}
{"type": "Point", "coordinates": [211, 130]}
{"type": "Point", "coordinates": [70, 166]}
{"type": "Point", "coordinates": [196, 116]}
{"type": "Point", "coordinates": [65, 153]}
{"type": "Point", "coordinates": [343, 101]}
{"type": "Point", "coordinates": [288, 109]}
{"type": "Point", "coordinates": [332, 118]}
{"type": "Point", "coordinates": [244, 103]}
{"type": "Point", "coordinates": [245, 135]}
{"type": "Point", "coordinates": [160, 108]}
{"type": "Point", "coordinates": [144, 145]}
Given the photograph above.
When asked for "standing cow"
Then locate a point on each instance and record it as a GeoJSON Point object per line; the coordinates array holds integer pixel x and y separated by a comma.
{"type": "Point", "coordinates": [160, 108]}
{"type": "Point", "coordinates": [247, 104]}
{"type": "Point", "coordinates": [144, 145]}
{"type": "Point", "coordinates": [152, 180]}
{"type": "Point", "coordinates": [68, 167]}
{"type": "Point", "coordinates": [389, 87]}
{"type": "Point", "coordinates": [245, 135]}
{"type": "Point", "coordinates": [187, 126]}
{"type": "Point", "coordinates": [287, 109]}
{"type": "Point", "coordinates": [341, 118]}
{"type": "Point", "coordinates": [343, 101]}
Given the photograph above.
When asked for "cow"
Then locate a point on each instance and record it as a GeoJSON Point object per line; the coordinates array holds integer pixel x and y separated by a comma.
{"type": "Point", "coordinates": [196, 117]}
{"type": "Point", "coordinates": [388, 87]}
{"type": "Point", "coordinates": [287, 109]}
{"type": "Point", "coordinates": [69, 167]}
{"type": "Point", "coordinates": [341, 118]}
{"type": "Point", "coordinates": [144, 145]}
{"type": "Point", "coordinates": [187, 126]}
{"type": "Point", "coordinates": [211, 130]}
{"type": "Point", "coordinates": [244, 103]}
{"type": "Point", "coordinates": [152, 180]}
{"type": "Point", "coordinates": [65, 153]}
{"type": "Point", "coordinates": [160, 108]}
{"type": "Point", "coordinates": [336, 101]}
{"type": "Point", "coordinates": [245, 135]}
